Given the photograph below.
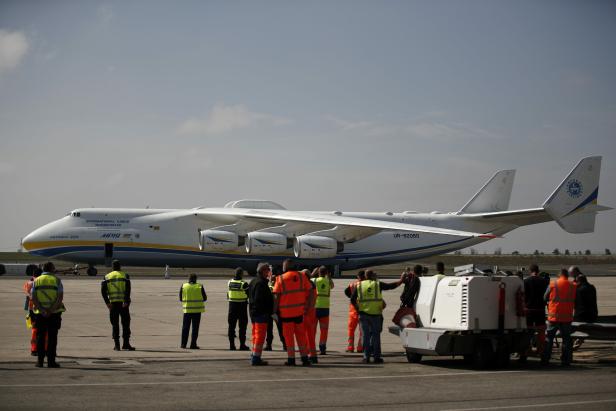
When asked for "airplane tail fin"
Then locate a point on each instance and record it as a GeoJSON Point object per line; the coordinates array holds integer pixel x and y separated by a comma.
{"type": "Point", "coordinates": [574, 202]}
{"type": "Point", "coordinates": [494, 195]}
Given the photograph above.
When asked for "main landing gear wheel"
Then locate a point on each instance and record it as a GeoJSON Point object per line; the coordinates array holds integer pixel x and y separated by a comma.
{"type": "Point", "coordinates": [413, 357]}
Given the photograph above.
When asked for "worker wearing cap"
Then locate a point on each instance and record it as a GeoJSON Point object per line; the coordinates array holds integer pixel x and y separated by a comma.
{"type": "Point", "coordinates": [354, 315]}
{"type": "Point", "coordinates": [238, 309]}
{"type": "Point", "coordinates": [115, 290]}
{"type": "Point", "coordinates": [368, 300]}
{"type": "Point", "coordinates": [193, 298]}
{"type": "Point", "coordinates": [261, 303]}
{"type": "Point", "coordinates": [291, 298]}
{"type": "Point", "coordinates": [310, 317]}
{"type": "Point", "coordinates": [47, 296]}
{"type": "Point", "coordinates": [561, 299]}
{"type": "Point", "coordinates": [324, 285]}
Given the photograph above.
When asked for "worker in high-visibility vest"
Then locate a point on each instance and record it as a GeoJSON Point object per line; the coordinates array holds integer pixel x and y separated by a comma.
{"type": "Point", "coordinates": [237, 295]}
{"type": "Point", "coordinates": [353, 321]}
{"type": "Point", "coordinates": [47, 296]}
{"type": "Point", "coordinates": [193, 298]}
{"type": "Point", "coordinates": [310, 317]}
{"type": "Point", "coordinates": [269, 339]}
{"type": "Point", "coordinates": [368, 299]}
{"type": "Point", "coordinates": [261, 302]}
{"type": "Point", "coordinates": [115, 290]}
{"type": "Point", "coordinates": [560, 297]}
{"type": "Point", "coordinates": [291, 299]}
{"type": "Point", "coordinates": [324, 284]}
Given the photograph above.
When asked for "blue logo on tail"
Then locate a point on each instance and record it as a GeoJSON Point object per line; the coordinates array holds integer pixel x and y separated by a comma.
{"type": "Point", "coordinates": [574, 188]}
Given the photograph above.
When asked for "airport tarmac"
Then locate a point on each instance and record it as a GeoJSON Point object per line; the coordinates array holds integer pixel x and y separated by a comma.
{"type": "Point", "coordinates": [160, 375]}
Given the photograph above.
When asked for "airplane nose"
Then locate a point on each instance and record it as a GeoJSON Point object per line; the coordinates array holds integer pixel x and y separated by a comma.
{"type": "Point", "coordinates": [27, 243]}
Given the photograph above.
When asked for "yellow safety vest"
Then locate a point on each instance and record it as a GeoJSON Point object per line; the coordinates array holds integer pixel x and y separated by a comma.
{"type": "Point", "coordinates": [116, 286]}
{"type": "Point", "coordinates": [323, 287]}
{"type": "Point", "coordinates": [236, 291]}
{"type": "Point", "coordinates": [46, 292]}
{"type": "Point", "coordinates": [192, 298]}
{"type": "Point", "coordinates": [369, 297]}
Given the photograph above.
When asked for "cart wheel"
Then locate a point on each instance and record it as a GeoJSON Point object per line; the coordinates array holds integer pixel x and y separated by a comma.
{"type": "Point", "coordinates": [413, 357]}
{"type": "Point", "coordinates": [502, 357]}
{"type": "Point", "coordinates": [484, 355]}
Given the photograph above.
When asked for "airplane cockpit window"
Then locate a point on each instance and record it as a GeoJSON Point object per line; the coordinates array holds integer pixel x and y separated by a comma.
{"type": "Point", "coordinates": [76, 214]}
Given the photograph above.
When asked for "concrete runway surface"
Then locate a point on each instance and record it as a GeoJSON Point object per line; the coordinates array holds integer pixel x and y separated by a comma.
{"type": "Point", "coordinates": [160, 375]}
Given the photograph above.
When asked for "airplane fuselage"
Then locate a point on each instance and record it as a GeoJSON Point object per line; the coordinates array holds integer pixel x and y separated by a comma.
{"type": "Point", "coordinates": [148, 237]}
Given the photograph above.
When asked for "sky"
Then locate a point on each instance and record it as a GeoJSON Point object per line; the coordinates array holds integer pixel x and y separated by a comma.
{"type": "Point", "coordinates": [320, 105]}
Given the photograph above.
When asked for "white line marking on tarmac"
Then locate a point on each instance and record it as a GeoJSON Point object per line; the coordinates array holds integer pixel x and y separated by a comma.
{"type": "Point", "coordinates": [554, 404]}
{"type": "Point", "coordinates": [316, 379]}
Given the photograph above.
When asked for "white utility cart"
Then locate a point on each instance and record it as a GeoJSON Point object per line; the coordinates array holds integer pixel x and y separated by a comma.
{"type": "Point", "coordinates": [472, 314]}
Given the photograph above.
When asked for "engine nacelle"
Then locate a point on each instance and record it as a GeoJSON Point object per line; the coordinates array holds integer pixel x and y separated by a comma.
{"type": "Point", "coordinates": [312, 246]}
{"type": "Point", "coordinates": [266, 243]}
{"type": "Point", "coordinates": [217, 240]}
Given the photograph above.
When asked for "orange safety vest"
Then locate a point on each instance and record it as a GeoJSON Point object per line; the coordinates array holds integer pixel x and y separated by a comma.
{"type": "Point", "coordinates": [292, 294]}
{"type": "Point", "coordinates": [562, 299]}
{"type": "Point", "coordinates": [28, 291]}
{"type": "Point", "coordinates": [353, 287]}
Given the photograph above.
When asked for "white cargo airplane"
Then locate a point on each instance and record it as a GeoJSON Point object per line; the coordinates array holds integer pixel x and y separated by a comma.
{"type": "Point", "coordinates": [246, 232]}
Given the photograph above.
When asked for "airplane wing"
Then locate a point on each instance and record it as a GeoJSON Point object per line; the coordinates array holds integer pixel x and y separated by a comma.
{"type": "Point", "coordinates": [342, 228]}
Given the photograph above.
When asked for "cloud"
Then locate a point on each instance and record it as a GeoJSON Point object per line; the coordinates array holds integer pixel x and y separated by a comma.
{"type": "Point", "coordinates": [223, 119]}
{"type": "Point", "coordinates": [6, 168]}
{"type": "Point", "coordinates": [104, 13]}
{"type": "Point", "coordinates": [428, 127]}
{"type": "Point", "coordinates": [13, 47]}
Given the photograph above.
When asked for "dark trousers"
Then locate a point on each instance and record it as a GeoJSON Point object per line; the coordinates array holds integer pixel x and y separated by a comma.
{"type": "Point", "coordinates": [270, 332]}
{"type": "Point", "coordinates": [371, 327]}
{"type": "Point", "coordinates": [116, 313]}
{"type": "Point", "coordinates": [238, 312]}
{"type": "Point", "coordinates": [195, 319]}
{"type": "Point", "coordinates": [47, 328]}
{"type": "Point", "coordinates": [567, 346]}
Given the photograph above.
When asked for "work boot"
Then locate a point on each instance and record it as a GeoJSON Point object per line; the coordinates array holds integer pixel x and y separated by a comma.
{"type": "Point", "coordinates": [116, 345]}
{"type": "Point", "coordinates": [244, 347]}
{"type": "Point", "coordinates": [378, 360]}
{"type": "Point", "coordinates": [126, 345]}
{"type": "Point", "coordinates": [232, 347]}
{"type": "Point", "coordinates": [194, 347]}
{"type": "Point", "coordinates": [268, 347]}
{"type": "Point", "coordinates": [256, 361]}
{"type": "Point", "coordinates": [306, 362]}
{"type": "Point", "coordinates": [53, 364]}
{"type": "Point", "coordinates": [323, 349]}
{"type": "Point", "coordinates": [290, 362]}
{"type": "Point", "coordinates": [314, 360]}
{"type": "Point", "coordinates": [38, 364]}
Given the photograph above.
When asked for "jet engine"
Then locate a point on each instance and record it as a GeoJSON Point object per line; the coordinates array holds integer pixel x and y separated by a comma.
{"type": "Point", "coordinates": [267, 243]}
{"type": "Point", "coordinates": [312, 246]}
{"type": "Point", "coordinates": [217, 240]}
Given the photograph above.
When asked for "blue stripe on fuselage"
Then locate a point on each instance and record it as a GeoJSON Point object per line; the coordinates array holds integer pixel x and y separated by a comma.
{"type": "Point", "coordinates": [51, 252]}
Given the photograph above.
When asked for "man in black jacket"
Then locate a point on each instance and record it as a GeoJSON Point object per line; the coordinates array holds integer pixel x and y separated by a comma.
{"type": "Point", "coordinates": [261, 303]}
{"type": "Point", "coordinates": [585, 301]}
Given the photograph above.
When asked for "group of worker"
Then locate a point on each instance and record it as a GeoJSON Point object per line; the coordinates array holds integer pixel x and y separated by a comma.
{"type": "Point", "coordinates": [298, 302]}
{"type": "Point", "coordinates": [566, 301]}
